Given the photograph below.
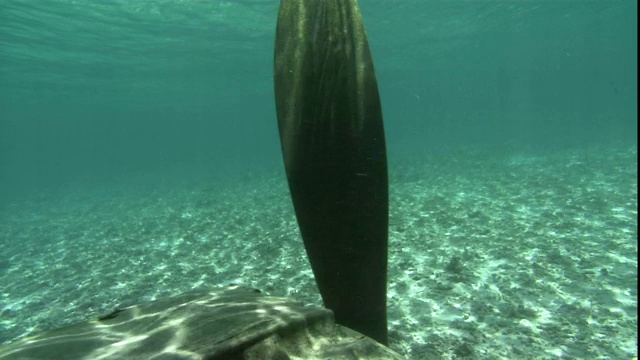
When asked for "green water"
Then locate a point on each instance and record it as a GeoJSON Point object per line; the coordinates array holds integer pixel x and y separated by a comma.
{"type": "Point", "coordinates": [104, 88]}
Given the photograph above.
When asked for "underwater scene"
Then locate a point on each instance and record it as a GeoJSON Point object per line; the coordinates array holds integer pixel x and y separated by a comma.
{"type": "Point", "coordinates": [140, 159]}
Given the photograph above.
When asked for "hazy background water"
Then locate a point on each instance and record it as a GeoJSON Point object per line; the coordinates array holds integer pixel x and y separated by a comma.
{"type": "Point", "coordinates": [166, 91]}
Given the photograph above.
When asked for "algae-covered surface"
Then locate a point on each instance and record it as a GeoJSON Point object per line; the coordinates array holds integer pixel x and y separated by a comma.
{"type": "Point", "coordinates": [493, 255]}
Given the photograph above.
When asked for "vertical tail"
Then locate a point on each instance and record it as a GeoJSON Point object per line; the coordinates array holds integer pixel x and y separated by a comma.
{"type": "Point", "coordinates": [332, 138]}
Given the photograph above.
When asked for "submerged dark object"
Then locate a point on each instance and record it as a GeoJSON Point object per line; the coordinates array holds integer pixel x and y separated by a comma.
{"type": "Point", "coordinates": [333, 144]}
{"type": "Point", "coordinates": [332, 137]}
{"type": "Point", "coordinates": [233, 323]}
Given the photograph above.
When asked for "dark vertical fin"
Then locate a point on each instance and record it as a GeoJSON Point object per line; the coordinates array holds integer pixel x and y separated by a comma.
{"type": "Point", "coordinates": [333, 144]}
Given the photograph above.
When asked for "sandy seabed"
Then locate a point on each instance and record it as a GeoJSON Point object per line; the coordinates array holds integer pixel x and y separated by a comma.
{"type": "Point", "coordinates": [492, 255]}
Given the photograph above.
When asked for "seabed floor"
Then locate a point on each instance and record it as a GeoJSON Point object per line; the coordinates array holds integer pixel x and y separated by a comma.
{"type": "Point", "coordinates": [492, 256]}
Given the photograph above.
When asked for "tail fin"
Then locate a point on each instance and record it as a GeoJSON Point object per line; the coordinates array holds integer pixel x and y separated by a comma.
{"type": "Point", "coordinates": [332, 138]}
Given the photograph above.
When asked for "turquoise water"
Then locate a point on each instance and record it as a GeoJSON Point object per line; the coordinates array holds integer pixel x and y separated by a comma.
{"type": "Point", "coordinates": [139, 158]}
